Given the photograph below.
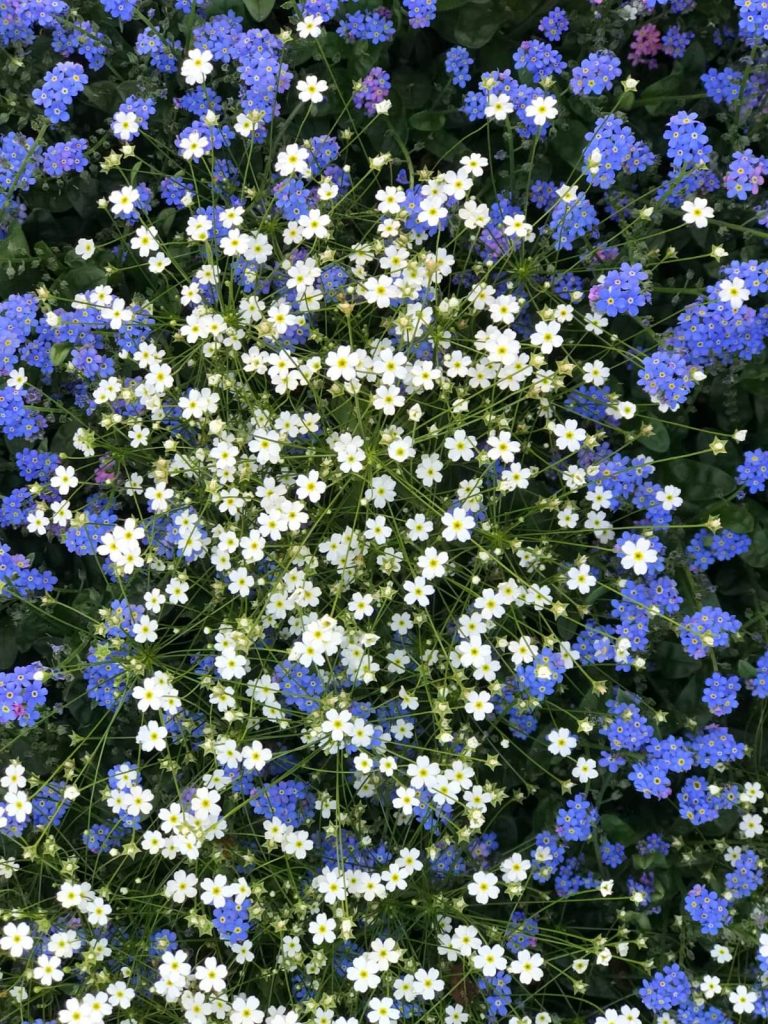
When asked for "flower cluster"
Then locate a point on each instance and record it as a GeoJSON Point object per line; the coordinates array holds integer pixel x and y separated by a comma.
{"type": "Point", "coordinates": [377, 649]}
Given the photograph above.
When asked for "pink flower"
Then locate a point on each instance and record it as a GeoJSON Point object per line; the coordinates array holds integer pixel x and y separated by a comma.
{"type": "Point", "coordinates": [646, 43]}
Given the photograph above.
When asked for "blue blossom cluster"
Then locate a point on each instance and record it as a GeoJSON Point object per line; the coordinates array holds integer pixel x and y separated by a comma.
{"type": "Point", "coordinates": [596, 74]}
{"type": "Point", "coordinates": [710, 911]}
{"type": "Point", "coordinates": [721, 693]}
{"type": "Point", "coordinates": [621, 290]}
{"type": "Point", "coordinates": [706, 548]}
{"type": "Point", "coordinates": [22, 694]}
{"type": "Point", "coordinates": [59, 89]}
{"type": "Point", "coordinates": [458, 62]}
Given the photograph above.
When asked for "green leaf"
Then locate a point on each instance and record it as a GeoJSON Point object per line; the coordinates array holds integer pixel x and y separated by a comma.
{"type": "Point", "coordinates": [757, 556]}
{"type": "Point", "coordinates": [662, 97]}
{"type": "Point", "coordinates": [570, 142]}
{"type": "Point", "coordinates": [626, 101]}
{"type": "Point", "coordinates": [745, 670]}
{"type": "Point", "coordinates": [427, 120]}
{"type": "Point", "coordinates": [164, 221]}
{"type": "Point", "coordinates": [701, 482]}
{"type": "Point", "coordinates": [108, 95]}
{"type": "Point", "coordinates": [8, 649]}
{"type": "Point", "coordinates": [676, 663]}
{"type": "Point", "coordinates": [413, 88]}
{"type": "Point", "coordinates": [617, 830]}
{"type": "Point", "coordinates": [658, 441]}
{"type": "Point", "coordinates": [222, 6]}
{"type": "Point", "coordinates": [694, 60]}
{"type": "Point", "coordinates": [15, 243]}
{"type": "Point", "coordinates": [60, 353]}
{"type": "Point", "coordinates": [644, 861]}
{"type": "Point", "coordinates": [688, 699]}
{"type": "Point", "coordinates": [84, 195]}
{"type": "Point", "coordinates": [470, 27]}
{"type": "Point", "coordinates": [259, 10]}
{"type": "Point", "coordinates": [733, 517]}
{"type": "Point", "coordinates": [78, 279]}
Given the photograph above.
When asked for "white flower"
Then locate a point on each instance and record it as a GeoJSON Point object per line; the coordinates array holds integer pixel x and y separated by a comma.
{"type": "Point", "coordinates": [483, 886]}
{"type": "Point", "coordinates": [401, 450]}
{"type": "Point", "coordinates": [546, 336]}
{"type": "Point", "coordinates": [312, 89]}
{"type": "Point", "coordinates": [457, 525]}
{"type": "Point", "coordinates": [152, 736]}
{"type": "Point", "coordinates": [211, 975]}
{"type": "Point", "coordinates": [594, 160]}
{"type": "Point", "coordinates": [310, 26]}
{"type": "Point", "coordinates": [432, 563]}
{"type": "Point", "coordinates": [64, 479]}
{"type": "Point", "coordinates": [16, 939]}
{"type": "Point", "coordinates": [380, 290]}
{"type": "Point", "coordinates": [322, 929]}
{"type": "Point", "coordinates": [157, 263]}
{"type": "Point", "coordinates": [292, 160]}
{"type": "Point", "coordinates": [85, 248]}
{"type": "Point", "coordinates": [460, 446]}
{"type": "Point", "coordinates": [742, 999]}
{"type": "Point", "coordinates": [585, 769]}
{"type": "Point", "coordinates": [569, 436]}
{"type": "Point", "coordinates": [46, 970]}
{"type": "Point", "coordinates": [427, 983]}
{"type": "Point", "coordinates": [362, 974]}
{"type": "Point", "coordinates": [382, 1011]}
{"type": "Point", "coordinates": [338, 724]}
{"type": "Point", "coordinates": [595, 372]}
{"type": "Point", "coordinates": [183, 886]}
{"type": "Point", "coordinates": [314, 224]}
{"type": "Point", "coordinates": [193, 146]}
{"type": "Point", "coordinates": [751, 825]}
{"type": "Point", "coordinates": [145, 241]}
{"type": "Point", "coordinates": [478, 704]}
{"type": "Point", "coordinates": [418, 591]}
{"type": "Point", "coordinates": [309, 486]}
{"type": "Point", "coordinates": [432, 211]}
{"type": "Point", "coordinates": [669, 497]}
{"type": "Point", "coordinates": [196, 67]}
{"type": "Point", "coordinates": [145, 630]}
{"type": "Point", "coordinates": [732, 290]}
{"type": "Point", "coordinates": [245, 125]}
{"type": "Point", "coordinates": [125, 125]}
{"type": "Point", "coordinates": [580, 578]}
{"type": "Point", "coordinates": [245, 1010]}
{"type": "Point", "coordinates": [710, 986]}
{"type": "Point", "coordinates": [638, 555]}
{"type": "Point", "coordinates": [721, 954]}
{"type": "Point", "coordinates": [561, 742]}
{"type": "Point", "coordinates": [499, 106]}
{"type": "Point", "coordinates": [517, 226]}
{"type": "Point", "coordinates": [527, 966]}
{"type": "Point", "coordinates": [124, 199]}
{"type": "Point", "coordinates": [475, 215]}
{"type": "Point", "coordinates": [697, 212]}
{"type": "Point", "coordinates": [542, 109]}
{"type": "Point", "coordinates": [475, 164]}
{"type": "Point", "coordinates": [120, 994]}
{"type": "Point", "coordinates": [515, 868]}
